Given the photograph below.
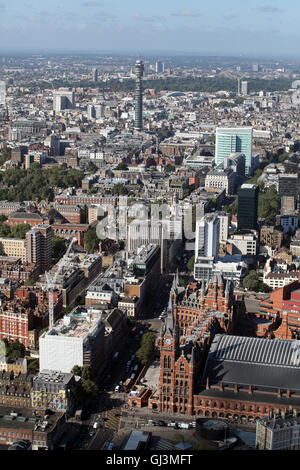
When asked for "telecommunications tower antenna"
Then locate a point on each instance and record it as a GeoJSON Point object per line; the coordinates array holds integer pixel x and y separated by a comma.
{"type": "Point", "coordinates": [51, 282]}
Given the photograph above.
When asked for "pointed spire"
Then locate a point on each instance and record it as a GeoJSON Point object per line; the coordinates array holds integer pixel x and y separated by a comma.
{"type": "Point", "coordinates": [193, 355]}
{"type": "Point", "coordinates": [170, 304]}
{"type": "Point", "coordinates": [177, 278]}
{"type": "Point", "coordinates": [170, 319]}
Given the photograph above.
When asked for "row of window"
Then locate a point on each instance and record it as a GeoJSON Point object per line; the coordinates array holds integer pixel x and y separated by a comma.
{"type": "Point", "coordinates": [17, 434]}
{"type": "Point", "coordinates": [236, 406]}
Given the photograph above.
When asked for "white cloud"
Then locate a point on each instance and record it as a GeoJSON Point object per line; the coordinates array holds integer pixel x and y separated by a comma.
{"type": "Point", "coordinates": [186, 13]}
{"type": "Point", "coordinates": [268, 9]}
{"type": "Point", "coordinates": [148, 19]}
{"type": "Point", "coordinates": [104, 16]}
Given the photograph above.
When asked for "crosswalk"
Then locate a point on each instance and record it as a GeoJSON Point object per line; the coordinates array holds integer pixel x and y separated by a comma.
{"type": "Point", "coordinates": [112, 421]}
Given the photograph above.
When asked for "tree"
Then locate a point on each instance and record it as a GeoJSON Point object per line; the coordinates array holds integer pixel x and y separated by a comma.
{"type": "Point", "coordinates": [14, 350]}
{"type": "Point", "coordinates": [76, 370]}
{"type": "Point", "coordinates": [119, 190]}
{"type": "Point", "coordinates": [32, 365]}
{"type": "Point", "coordinates": [91, 241]}
{"type": "Point", "coordinates": [122, 166]}
{"type": "Point", "coordinates": [5, 230]}
{"type": "Point", "coordinates": [268, 204]}
{"type": "Point", "coordinates": [185, 193]}
{"type": "Point", "coordinates": [20, 230]}
{"type": "Point", "coordinates": [92, 168]}
{"type": "Point", "coordinates": [92, 191]}
{"type": "Point", "coordinates": [190, 264]}
{"type": "Point", "coordinates": [86, 387]}
{"type": "Point", "coordinates": [147, 348]}
{"type": "Point", "coordinates": [58, 247]}
{"type": "Point", "coordinates": [252, 282]}
{"type": "Point", "coordinates": [86, 373]}
{"type": "Point", "coordinates": [89, 387]}
{"type": "Point", "coordinates": [5, 155]}
{"type": "Point", "coordinates": [29, 282]}
{"type": "Point", "coordinates": [169, 168]}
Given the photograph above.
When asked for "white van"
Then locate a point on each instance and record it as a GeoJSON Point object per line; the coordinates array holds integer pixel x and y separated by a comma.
{"type": "Point", "coordinates": [184, 425]}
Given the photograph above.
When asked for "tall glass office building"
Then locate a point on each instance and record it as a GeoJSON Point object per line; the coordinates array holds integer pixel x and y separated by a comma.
{"type": "Point", "coordinates": [234, 139]}
{"type": "Point", "coordinates": [247, 207]}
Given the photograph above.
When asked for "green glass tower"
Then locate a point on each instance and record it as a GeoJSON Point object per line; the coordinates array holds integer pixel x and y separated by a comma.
{"type": "Point", "coordinates": [139, 70]}
{"type": "Point", "coordinates": [231, 140]}
{"type": "Point", "coordinates": [248, 206]}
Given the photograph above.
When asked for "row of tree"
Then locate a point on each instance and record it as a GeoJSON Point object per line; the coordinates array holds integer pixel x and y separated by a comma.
{"type": "Point", "coordinates": [14, 350]}
{"type": "Point", "coordinates": [16, 231]}
{"type": "Point", "coordinates": [252, 282]}
{"type": "Point", "coordinates": [147, 348]}
{"type": "Point", "coordinates": [37, 183]}
{"type": "Point", "coordinates": [87, 388]}
{"type": "Point", "coordinates": [199, 84]}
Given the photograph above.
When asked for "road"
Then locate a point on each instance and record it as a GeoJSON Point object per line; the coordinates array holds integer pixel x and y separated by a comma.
{"type": "Point", "coordinates": [110, 405]}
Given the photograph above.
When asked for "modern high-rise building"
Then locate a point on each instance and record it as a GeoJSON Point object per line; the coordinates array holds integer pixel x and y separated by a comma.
{"type": "Point", "coordinates": [159, 67]}
{"type": "Point", "coordinates": [2, 93]}
{"type": "Point", "coordinates": [91, 112]}
{"type": "Point", "coordinates": [63, 99]}
{"type": "Point", "coordinates": [95, 75]}
{"type": "Point", "coordinates": [234, 139]}
{"type": "Point", "coordinates": [244, 86]}
{"type": "Point", "coordinates": [99, 110]}
{"type": "Point", "coordinates": [38, 246]}
{"type": "Point", "coordinates": [248, 206]}
{"type": "Point", "coordinates": [139, 70]}
{"type": "Point", "coordinates": [207, 236]}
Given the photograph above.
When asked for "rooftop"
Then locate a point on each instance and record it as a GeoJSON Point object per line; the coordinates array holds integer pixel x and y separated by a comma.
{"type": "Point", "coordinates": [78, 324]}
{"type": "Point", "coordinates": [264, 363]}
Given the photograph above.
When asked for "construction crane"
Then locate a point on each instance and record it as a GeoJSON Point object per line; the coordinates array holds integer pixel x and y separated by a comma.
{"type": "Point", "coordinates": [51, 282]}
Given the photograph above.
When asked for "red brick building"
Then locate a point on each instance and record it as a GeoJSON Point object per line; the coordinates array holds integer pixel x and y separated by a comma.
{"type": "Point", "coordinates": [193, 320]}
{"type": "Point", "coordinates": [12, 268]}
{"type": "Point", "coordinates": [28, 311]}
{"type": "Point", "coordinates": [207, 371]}
{"type": "Point", "coordinates": [30, 218]}
{"type": "Point", "coordinates": [247, 378]}
{"type": "Point", "coordinates": [15, 322]}
{"type": "Point", "coordinates": [282, 307]}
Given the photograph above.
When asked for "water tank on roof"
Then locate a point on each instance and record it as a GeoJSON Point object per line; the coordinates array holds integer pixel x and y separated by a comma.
{"type": "Point", "coordinates": [211, 429]}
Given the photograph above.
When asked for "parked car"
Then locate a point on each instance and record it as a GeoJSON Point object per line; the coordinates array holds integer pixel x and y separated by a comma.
{"type": "Point", "coordinates": [171, 425]}
{"type": "Point", "coordinates": [161, 423]}
{"type": "Point", "coordinates": [183, 425]}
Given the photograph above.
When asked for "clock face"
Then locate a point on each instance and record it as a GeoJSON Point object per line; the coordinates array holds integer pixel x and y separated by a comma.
{"type": "Point", "coordinates": [168, 341]}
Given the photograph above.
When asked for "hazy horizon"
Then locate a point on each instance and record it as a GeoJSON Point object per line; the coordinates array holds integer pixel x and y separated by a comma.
{"type": "Point", "coordinates": [217, 28]}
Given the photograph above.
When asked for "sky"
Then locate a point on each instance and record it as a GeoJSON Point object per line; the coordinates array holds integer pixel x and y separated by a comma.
{"type": "Point", "coordinates": [216, 27]}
